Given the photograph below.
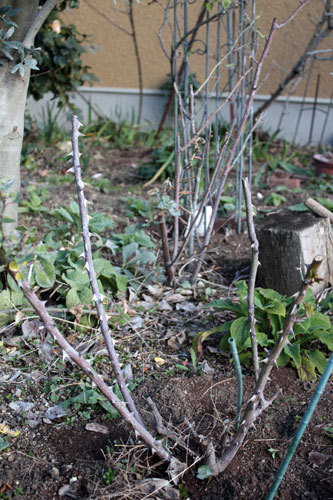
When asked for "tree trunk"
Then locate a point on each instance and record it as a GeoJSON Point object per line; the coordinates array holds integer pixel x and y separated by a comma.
{"type": "Point", "coordinates": [13, 94]}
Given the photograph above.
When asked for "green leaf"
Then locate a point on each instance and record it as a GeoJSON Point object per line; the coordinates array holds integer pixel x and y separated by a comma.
{"type": "Point", "coordinates": [85, 296]}
{"type": "Point", "coordinates": [318, 359]}
{"type": "Point", "coordinates": [31, 63]}
{"type": "Point", "coordinates": [307, 370]}
{"type": "Point", "coordinates": [113, 413]}
{"type": "Point", "coordinates": [225, 305]}
{"type": "Point", "coordinates": [277, 308]}
{"type": "Point", "coordinates": [299, 207]}
{"type": "Point", "coordinates": [6, 220]}
{"type": "Point", "coordinates": [129, 251]}
{"type": "Point", "coordinates": [283, 359]}
{"type": "Point", "coordinates": [99, 264]}
{"type": "Point", "coordinates": [294, 352]}
{"type": "Point", "coordinates": [270, 294]}
{"type": "Point", "coordinates": [326, 338]}
{"type": "Point", "coordinates": [240, 332]}
{"type": "Point", "coordinates": [62, 213]}
{"type": "Point", "coordinates": [242, 288]}
{"type": "Point", "coordinates": [143, 239]}
{"type": "Point", "coordinates": [261, 338]}
{"type": "Point", "coordinates": [292, 169]}
{"type": "Point", "coordinates": [3, 444]}
{"type": "Point", "coordinates": [201, 336]}
{"type": "Point", "coordinates": [72, 298]}
{"type": "Point", "coordinates": [319, 321]}
{"type": "Point", "coordinates": [44, 272]}
{"type": "Point", "coordinates": [121, 281]}
{"type": "Point", "coordinates": [204, 472]}
{"type": "Point", "coordinates": [76, 278]}
{"type": "Point", "coordinates": [193, 357]}
{"type": "Point", "coordinates": [5, 303]}
{"type": "Point", "coordinates": [100, 222]}
{"type": "Point", "coordinates": [326, 202]}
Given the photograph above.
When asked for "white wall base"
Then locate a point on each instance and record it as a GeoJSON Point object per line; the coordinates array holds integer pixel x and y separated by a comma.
{"type": "Point", "coordinates": [118, 104]}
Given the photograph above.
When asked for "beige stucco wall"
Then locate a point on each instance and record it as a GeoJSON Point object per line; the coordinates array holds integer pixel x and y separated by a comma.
{"type": "Point", "coordinates": [115, 63]}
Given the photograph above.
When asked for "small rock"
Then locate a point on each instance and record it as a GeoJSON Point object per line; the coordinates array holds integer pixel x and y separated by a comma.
{"type": "Point", "coordinates": [11, 458]}
{"type": "Point", "coordinates": [33, 422]}
{"type": "Point", "coordinates": [21, 407]}
{"type": "Point", "coordinates": [127, 372]}
{"type": "Point", "coordinates": [55, 473]}
{"type": "Point", "coordinates": [187, 307]}
{"type": "Point", "coordinates": [56, 412]}
{"type": "Point", "coordinates": [208, 370]}
{"type": "Point", "coordinates": [97, 428]}
{"type": "Point", "coordinates": [63, 490]}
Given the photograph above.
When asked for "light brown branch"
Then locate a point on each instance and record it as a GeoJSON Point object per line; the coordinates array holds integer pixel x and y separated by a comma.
{"type": "Point", "coordinates": [253, 275]}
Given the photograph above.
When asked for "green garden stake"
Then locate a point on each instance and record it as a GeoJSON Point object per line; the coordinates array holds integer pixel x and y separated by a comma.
{"type": "Point", "coordinates": [239, 379]}
{"type": "Point", "coordinates": [302, 426]}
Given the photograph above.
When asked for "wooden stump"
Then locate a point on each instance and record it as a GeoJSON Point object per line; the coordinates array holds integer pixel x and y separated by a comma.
{"type": "Point", "coordinates": [288, 241]}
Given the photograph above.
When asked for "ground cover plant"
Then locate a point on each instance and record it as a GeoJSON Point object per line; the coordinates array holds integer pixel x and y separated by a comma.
{"type": "Point", "coordinates": [148, 320]}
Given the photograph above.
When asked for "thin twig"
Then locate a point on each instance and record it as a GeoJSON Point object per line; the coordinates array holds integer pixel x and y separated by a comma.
{"type": "Point", "coordinates": [253, 275]}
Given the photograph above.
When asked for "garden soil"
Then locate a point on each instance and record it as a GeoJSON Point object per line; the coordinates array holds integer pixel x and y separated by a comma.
{"type": "Point", "coordinates": [64, 458]}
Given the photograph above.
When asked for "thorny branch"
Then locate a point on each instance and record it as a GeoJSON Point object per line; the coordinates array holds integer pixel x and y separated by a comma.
{"type": "Point", "coordinates": [253, 275]}
{"type": "Point", "coordinates": [127, 410]}
{"type": "Point", "coordinates": [76, 169]}
{"type": "Point", "coordinates": [257, 403]}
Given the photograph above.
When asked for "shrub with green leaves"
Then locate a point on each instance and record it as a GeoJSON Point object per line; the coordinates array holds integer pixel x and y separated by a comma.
{"type": "Point", "coordinates": [61, 69]}
{"type": "Point", "coordinates": [310, 340]}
